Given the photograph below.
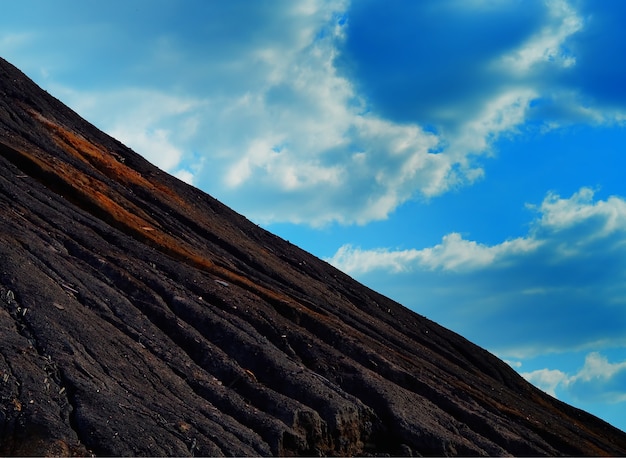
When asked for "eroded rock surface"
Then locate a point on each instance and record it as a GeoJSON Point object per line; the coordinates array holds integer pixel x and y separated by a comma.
{"type": "Point", "coordinates": [139, 316]}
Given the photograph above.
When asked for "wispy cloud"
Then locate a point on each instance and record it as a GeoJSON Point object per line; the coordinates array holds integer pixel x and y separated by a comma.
{"type": "Point", "coordinates": [547, 44]}
{"type": "Point", "coordinates": [312, 149]}
{"type": "Point", "coordinates": [10, 41]}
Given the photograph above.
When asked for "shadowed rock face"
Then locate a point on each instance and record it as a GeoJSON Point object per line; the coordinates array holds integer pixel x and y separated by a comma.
{"type": "Point", "coordinates": [139, 316]}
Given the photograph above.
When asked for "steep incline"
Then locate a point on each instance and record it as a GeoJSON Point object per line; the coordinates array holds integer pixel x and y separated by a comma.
{"type": "Point", "coordinates": [140, 316]}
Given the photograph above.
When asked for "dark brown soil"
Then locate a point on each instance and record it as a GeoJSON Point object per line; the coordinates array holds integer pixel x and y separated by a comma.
{"type": "Point", "coordinates": [139, 316]}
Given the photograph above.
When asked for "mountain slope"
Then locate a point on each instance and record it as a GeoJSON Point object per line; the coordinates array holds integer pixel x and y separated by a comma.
{"type": "Point", "coordinates": [141, 316]}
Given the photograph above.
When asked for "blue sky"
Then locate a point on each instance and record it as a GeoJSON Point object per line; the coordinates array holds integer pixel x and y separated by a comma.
{"type": "Point", "coordinates": [464, 157]}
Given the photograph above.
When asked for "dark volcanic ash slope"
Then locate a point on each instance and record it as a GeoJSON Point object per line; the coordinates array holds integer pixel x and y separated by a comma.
{"type": "Point", "coordinates": [139, 316]}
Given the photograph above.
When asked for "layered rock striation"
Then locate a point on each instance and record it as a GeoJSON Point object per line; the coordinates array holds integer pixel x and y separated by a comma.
{"type": "Point", "coordinates": [140, 316]}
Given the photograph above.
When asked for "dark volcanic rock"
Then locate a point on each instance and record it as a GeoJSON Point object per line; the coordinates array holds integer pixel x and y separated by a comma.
{"type": "Point", "coordinates": [139, 316]}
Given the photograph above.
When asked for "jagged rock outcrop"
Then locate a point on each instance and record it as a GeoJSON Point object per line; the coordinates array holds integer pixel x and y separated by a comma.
{"type": "Point", "coordinates": [139, 316]}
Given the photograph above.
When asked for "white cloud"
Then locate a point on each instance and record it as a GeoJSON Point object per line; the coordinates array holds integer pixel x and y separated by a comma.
{"type": "Point", "coordinates": [597, 381]}
{"type": "Point", "coordinates": [593, 221]}
{"type": "Point", "coordinates": [452, 254]}
{"type": "Point", "coordinates": [154, 145]}
{"type": "Point", "coordinates": [289, 136]}
{"type": "Point", "coordinates": [560, 214]}
{"type": "Point", "coordinates": [184, 175]}
{"type": "Point", "coordinates": [598, 367]}
{"type": "Point", "coordinates": [547, 45]}
{"type": "Point", "coordinates": [531, 292]}
{"type": "Point", "coordinates": [308, 144]}
{"type": "Point", "coordinates": [457, 254]}
{"type": "Point", "coordinates": [546, 379]}
{"type": "Point", "coordinates": [502, 113]}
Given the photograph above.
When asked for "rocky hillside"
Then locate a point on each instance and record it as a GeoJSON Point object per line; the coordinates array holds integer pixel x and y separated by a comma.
{"type": "Point", "coordinates": [139, 316]}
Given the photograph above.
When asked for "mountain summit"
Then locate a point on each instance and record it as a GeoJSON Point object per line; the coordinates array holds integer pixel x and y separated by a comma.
{"type": "Point", "coordinates": [140, 316]}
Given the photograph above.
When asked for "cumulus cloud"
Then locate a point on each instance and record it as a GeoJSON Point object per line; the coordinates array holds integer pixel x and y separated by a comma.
{"type": "Point", "coordinates": [287, 137]}
{"type": "Point", "coordinates": [335, 126]}
{"type": "Point", "coordinates": [560, 214]}
{"type": "Point", "coordinates": [571, 263]}
{"type": "Point", "coordinates": [310, 112]}
{"type": "Point", "coordinates": [312, 153]}
{"type": "Point", "coordinates": [315, 151]}
{"type": "Point", "coordinates": [597, 381]}
{"type": "Point", "coordinates": [546, 379]}
{"type": "Point", "coordinates": [288, 134]}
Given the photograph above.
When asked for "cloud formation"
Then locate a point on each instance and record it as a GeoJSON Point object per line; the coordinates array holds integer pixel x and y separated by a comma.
{"type": "Point", "coordinates": [546, 379]}
{"type": "Point", "coordinates": [571, 263]}
{"type": "Point", "coordinates": [547, 44]}
{"type": "Point", "coordinates": [312, 113]}
{"type": "Point", "coordinates": [279, 126]}
{"type": "Point", "coordinates": [443, 63]}
{"type": "Point", "coordinates": [597, 381]}
{"type": "Point", "coordinates": [300, 124]}
{"type": "Point", "coordinates": [311, 151]}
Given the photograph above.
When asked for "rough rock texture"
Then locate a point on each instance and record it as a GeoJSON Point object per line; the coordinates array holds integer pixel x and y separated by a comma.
{"type": "Point", "coordinates": [139, 316]}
